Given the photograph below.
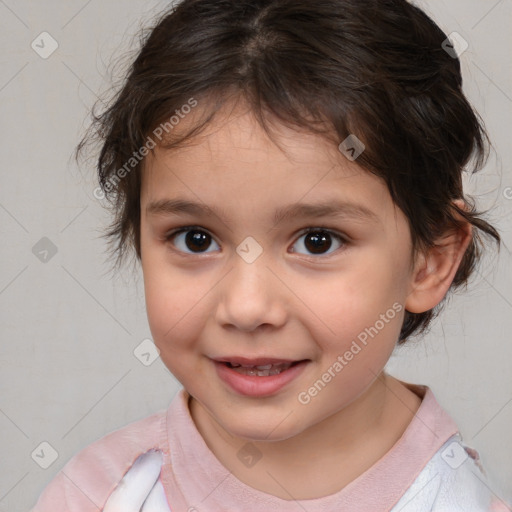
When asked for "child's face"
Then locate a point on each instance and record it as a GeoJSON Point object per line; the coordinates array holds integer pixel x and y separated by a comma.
{"type": "Point", "coordinates": [304, 298]}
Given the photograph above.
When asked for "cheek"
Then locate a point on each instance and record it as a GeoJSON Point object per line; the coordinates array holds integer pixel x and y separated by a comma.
{"type": "Point", "coordinates": [175, 328]}
{"type": "Point", "coordinates": [179, 303]}
{"type": "Point", "coordinates": [173, 304]}
{"type": "Point", "coordinates": [362, 306]}
{"type": "Point", "coordinates": [360, 323]}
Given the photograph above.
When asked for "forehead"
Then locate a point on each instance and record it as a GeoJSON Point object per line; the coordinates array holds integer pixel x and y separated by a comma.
{"type": "Point", "coordinates": [235, 127]}
{"type": "Point", "coordinates": [234, 162]}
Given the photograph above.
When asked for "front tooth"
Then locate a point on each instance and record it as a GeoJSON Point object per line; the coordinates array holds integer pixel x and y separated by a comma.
{"type": "Point", "coordinates": [264, 367]}
{"type": "Point", "coordinates": [247, 366]}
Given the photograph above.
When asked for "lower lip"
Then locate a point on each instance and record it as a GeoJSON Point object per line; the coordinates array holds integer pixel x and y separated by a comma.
{"type": "Point", "coordinates": [250, 385]}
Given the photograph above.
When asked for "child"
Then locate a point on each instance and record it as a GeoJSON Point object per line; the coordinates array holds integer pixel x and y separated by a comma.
{"type": "Point", "coordinates": [289, 174]}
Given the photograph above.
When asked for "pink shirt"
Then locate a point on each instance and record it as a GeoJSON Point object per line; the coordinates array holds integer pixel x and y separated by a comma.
{"type": "Point", "coordinates": [420, 466]}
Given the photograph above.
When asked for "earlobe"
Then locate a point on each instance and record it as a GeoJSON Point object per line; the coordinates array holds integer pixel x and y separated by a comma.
{"type": "Point", "coordinates": [435, 270]}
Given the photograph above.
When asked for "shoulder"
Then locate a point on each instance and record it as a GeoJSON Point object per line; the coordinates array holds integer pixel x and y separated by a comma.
{"type": "Point", "coordinates": [452, 481]}
{"type": "Point", "coordinates": [90, 476]}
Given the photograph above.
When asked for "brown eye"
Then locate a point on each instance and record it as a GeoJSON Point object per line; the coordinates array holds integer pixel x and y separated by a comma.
{"type": "Point", "coordinates": [319, 241]}
{"type": "Point", "coordinates": [190, 239]}
{"type": "Point", "coordinates": [194, 240]}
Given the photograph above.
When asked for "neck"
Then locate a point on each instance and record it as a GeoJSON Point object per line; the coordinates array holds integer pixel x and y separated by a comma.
{"type": "Point", "coordinates": [325, 457]}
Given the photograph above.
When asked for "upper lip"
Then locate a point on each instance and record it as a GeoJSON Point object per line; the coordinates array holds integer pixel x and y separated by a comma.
{"type": "Point", "coordinates": [257, 361]}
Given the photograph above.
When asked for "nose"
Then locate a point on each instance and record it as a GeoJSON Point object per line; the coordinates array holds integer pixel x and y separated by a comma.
{"type": "Point", "coordinates": [251, 297]}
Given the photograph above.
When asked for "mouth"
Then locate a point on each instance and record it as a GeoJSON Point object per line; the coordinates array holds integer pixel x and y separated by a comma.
{"type": "Point", "coordinates": [261, 369]}
{"type": "Point", "coordinates": [258, 377]}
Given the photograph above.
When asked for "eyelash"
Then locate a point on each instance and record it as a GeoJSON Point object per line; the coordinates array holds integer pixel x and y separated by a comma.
{"type": "Point", "coordinates": [340, 238]}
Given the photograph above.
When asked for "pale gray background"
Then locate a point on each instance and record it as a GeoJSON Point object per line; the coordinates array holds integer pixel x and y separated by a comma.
{"type": "Point", "coordinates": [68, 372]}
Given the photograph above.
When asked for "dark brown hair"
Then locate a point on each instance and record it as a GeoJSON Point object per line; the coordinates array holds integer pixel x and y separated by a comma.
{"type": "Point", "coordinates": [373, 68]}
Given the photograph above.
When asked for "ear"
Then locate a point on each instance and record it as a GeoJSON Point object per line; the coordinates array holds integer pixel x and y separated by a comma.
{"type": "Point", "coordinates": [434, 272]}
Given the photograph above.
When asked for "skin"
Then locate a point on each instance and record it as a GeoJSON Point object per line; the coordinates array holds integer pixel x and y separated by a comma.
{"type": "Point", "coordinates": [289, 303]}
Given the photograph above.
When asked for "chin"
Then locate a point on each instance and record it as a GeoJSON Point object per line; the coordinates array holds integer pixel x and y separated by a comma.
{"type": "Point", "coordinates": [264, 429]}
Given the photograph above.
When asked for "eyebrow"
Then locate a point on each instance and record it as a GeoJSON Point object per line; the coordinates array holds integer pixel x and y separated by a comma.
{"type": "Point", "coordinates": [335, 209]}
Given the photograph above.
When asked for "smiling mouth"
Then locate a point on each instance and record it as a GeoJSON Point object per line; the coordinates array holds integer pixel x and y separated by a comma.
{"type": "Point", "coordinates": [261, 367]}
{"type": "Point", "coordinates": [258, 376]}
{"type": "Point", "coordinates": [264, 370]}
